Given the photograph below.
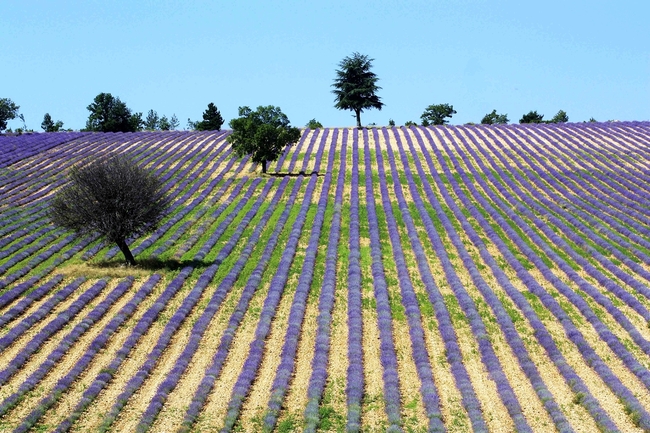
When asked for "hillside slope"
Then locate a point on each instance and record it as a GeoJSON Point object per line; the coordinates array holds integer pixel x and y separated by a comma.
{"type": "Point", "coordinates": [486, 278]}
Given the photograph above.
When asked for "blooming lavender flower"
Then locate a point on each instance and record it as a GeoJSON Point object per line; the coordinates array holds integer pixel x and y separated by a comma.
{"type": "Point", "coordinates": [325, 305]}
{"type": "Point", "coordinates": [591, 405]}
{"type": "Point", "coordinates": [495, 304]}
{"type": "Point", "coordinates": [215, 301]}
{"type": "Point", "coordinates": [252, 362]}
{"type": "Point", "coordinates": [168, 332]}
{"type": "Point", "coordinates": [42, 312]}
{"type": "Point", "coordinates": [384, 320]}
{"type": "Point", "coordinates": [355, 380]}
{"type": "Point", "coordinates": [97, 344]}
{"type": "Point", "coordinates": [213, 371]}
{"type": "Point", "coordinates": [287, 363]}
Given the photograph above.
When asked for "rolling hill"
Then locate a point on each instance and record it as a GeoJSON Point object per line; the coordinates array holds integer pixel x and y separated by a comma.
{"type": "Point", "coordinates": [453, 278]}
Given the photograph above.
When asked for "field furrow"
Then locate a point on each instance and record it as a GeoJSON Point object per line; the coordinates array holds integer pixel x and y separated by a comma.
{"type": "Point", "coordinates": [443, 278]}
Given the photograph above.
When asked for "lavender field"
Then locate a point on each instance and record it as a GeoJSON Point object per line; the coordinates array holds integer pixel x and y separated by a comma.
{"type": "Point", "coordinates": [453, 278]}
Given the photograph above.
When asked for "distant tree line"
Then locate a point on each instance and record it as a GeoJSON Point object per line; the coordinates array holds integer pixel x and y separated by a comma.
{"type": "Point", "coordinates": [49, 125]}
{"type": "Point", "coordinates": [438, 115]}
{"type": "Point", "coordinates": [110, 114]}
{"type": "Point", "coordinates": [355, 89]}
{"type": "Point", "coordinates": [154, 123]}
{"type": "Point", "coordinates": [534, 117]}
{"type": "Point", "coordinates": [313, 124]}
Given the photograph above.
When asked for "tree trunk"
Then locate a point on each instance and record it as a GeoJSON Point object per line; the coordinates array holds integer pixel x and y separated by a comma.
{"type": "Point", "coordinates": [264, 166]}
{"type": "Point", "coordinates": [358, 118]}
{"type": "Point", "coordinates": [126, 251]}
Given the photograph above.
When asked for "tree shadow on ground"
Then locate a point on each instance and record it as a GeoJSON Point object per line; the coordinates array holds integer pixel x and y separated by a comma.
{"type": "Point", "coordinates": [152, 264]}
{"type": "Point", "coordinates": [301, 173]}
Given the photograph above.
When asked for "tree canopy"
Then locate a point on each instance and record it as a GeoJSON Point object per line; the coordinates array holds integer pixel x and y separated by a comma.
{"type": "Point", "coordinates": [355, 86]}
{"type": "Point", "coordinates": [112, 197]}
{"type": "Point", "coordinates": [314, 124]}
{"type": "Point", "coordinates": [164, 123]}
{"type": "Point", "coordinates": [8, 111]}
{"type": "Point", "coordinates": [532, 117]}
{"type": "Point", "coordinates": [152, 121]}
{"type": "Point", "coordinates": [493, 118]}
{"type": "Point", "coordinates": [437, 114]}
{"type": "Point", "coordinates": [49, 125]}
{"type": "Point", "coordinates": [262, 133]}
{"type": "Point", "coordinates": [109, 114]}
{"type": "Point", "coordinates": [169, 124]}
{"type": "Point", "coordinates": [212, 120]}
{"type": "Point", "coordinates": [560, 117]}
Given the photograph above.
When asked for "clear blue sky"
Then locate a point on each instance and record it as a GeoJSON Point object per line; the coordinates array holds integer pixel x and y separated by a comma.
{"type": "Point", "coordinates": [589, 58]}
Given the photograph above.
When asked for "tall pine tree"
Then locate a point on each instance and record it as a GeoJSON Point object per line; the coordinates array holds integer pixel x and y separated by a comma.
{"type": "Point", "coordinates": [355, 86]}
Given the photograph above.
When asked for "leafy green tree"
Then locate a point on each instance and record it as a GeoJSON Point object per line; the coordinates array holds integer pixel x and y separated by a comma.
{"type": "Point", "coordinates": [8, 111]}
{"type": "Point", "coordinates": [391, 122]}
{"type": "Point", "coordinates": [112, 197]}
{"type": "Point", "coordinates": [212, 120]}
{"type": "Point", "coordinates": [109, 114]}
{"type": "Point", "coordinates": [49, 125]}
{"type": "Point", "coordinates": [437, 114]}
{"type": "Point", "coordinates": [173, 122]}
{"type": "Point", "coordinates": [136, 122]}
{"type": "Point", "coordinates": [532, 117]}
{"type": "Point", "coordinates": [163, 123]}
{"type": "Point", "coordinates": [262, 133]}
{"type": "Point", "coordinates": [591, 119]}
{"type": "Point", "coordinates": [493, 118]}
{"type": "Point", "coordinates": [314, 124]}
{"type": "Point", "coordinates": [410, 123]}
{"type": "Point", "coordinates": [560, 117]}
{"type": "Point", "coordinates": [152, 121]}
{"type": "Point", "coordinates": [355, 86]}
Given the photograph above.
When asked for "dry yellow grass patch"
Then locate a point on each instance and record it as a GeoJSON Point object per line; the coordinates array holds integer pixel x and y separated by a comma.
{"type": "Point", "coordinates": [296, 397]}
{"type": "Point", "coordinates": [338, 357]}
{"type": "Point", "coordinates": [108, 270]}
